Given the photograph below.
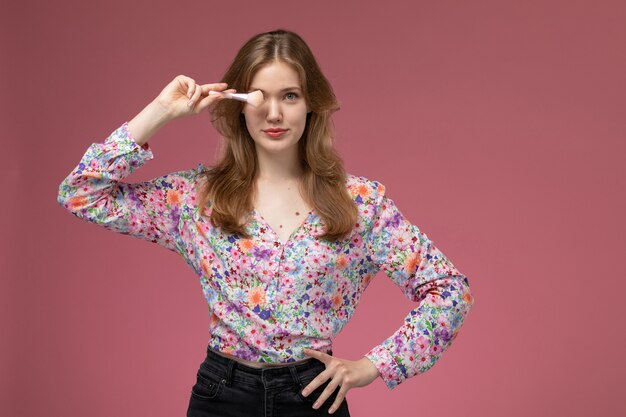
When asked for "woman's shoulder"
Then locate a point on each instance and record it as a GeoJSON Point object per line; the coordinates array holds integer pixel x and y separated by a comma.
{"type": "Point", "coordinates": [364, 190]}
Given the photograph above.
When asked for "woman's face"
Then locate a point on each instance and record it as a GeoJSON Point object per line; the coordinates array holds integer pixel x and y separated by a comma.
{"type": "Point", "coordinates": [277, 124]}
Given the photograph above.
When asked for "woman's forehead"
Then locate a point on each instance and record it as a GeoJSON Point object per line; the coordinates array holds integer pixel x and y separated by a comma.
{"type": "Point", "coordinates": [275, 77]}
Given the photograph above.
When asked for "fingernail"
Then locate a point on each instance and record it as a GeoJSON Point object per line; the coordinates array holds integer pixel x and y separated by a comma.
{"type": "Point", "coordinates": [316, 405]}
{"type": "Point", "coordinates": [331, 410]}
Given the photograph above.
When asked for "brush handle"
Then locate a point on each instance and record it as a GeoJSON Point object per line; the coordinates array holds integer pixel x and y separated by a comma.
{"type": "Point", "coordinates": [234, 96]}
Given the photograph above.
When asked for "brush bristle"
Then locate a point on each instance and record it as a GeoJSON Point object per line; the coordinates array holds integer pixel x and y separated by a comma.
{"type": "Point", "coordinates": [255, 98]}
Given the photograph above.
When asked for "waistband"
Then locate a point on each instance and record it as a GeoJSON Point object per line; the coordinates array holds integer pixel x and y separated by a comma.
{"type": "Point", "coordinates": [229, 370]}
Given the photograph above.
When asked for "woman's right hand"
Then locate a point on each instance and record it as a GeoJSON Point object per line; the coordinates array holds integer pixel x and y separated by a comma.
{"type": "Point", "coordinates": [171, 104]}
{"type": "Point", "coordinates": [183, 97]}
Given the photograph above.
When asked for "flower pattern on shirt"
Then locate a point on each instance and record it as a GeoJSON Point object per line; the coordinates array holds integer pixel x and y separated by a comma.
{"type": "Point", "coordinates": [269, 299]}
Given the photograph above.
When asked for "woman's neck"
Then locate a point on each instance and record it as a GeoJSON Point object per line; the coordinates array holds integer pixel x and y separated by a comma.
{"type": "Point", "coordinates": [278, 168]}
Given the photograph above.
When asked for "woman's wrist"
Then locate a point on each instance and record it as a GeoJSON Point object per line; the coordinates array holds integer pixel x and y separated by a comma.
{"type": "Point", "coordinates": [149, 121]}
{"type": "Point", "coordinates": [373, 372]}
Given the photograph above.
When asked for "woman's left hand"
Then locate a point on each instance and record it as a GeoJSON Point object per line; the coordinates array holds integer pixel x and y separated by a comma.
{"type": "Point", "coordinates": [343, 373]}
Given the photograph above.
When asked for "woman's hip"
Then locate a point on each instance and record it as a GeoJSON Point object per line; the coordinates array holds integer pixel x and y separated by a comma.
{"type": "Point", "coordinates": [226, 387]}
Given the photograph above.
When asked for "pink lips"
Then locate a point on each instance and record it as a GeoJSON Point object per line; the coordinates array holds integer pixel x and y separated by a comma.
{"type": "Point", "coordinates": [275, 132]}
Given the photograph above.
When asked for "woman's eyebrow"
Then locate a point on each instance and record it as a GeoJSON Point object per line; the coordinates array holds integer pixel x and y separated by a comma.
{"type": "Point", "coordinates": [251, 89]}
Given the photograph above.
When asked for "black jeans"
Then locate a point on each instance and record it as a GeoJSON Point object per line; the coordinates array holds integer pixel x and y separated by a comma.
{"type": "Point", "coordinates": [225, 387]}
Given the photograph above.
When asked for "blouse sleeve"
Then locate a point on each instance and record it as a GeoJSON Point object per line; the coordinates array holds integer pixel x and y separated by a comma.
{"type": "Point", "coordinates": [149, 210]}
{"type": "Point", "coordinates": [425, 276]}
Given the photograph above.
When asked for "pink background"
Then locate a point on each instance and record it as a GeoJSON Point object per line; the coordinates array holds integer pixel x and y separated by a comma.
{"type": "Point", "coordinates": [498, 128]}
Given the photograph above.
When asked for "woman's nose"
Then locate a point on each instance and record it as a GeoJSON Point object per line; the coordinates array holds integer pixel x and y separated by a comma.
{"type": "Point", "coordinates": [274, 112]}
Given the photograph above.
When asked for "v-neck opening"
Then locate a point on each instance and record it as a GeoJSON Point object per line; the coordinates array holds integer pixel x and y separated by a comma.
{"type": "Point", "coordinates": [270, 228]}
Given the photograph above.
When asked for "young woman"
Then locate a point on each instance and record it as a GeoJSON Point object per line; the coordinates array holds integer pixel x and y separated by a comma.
{"type": "Point", "coordinates": [283, 240]}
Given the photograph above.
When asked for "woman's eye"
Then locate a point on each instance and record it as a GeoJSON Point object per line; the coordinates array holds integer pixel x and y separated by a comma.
{"type": "Point", "coordinates": [291, 96]}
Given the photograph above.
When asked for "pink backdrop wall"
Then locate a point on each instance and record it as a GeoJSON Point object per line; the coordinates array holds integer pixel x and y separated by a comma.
{"type": "Point", "coordinates": [512, 112]}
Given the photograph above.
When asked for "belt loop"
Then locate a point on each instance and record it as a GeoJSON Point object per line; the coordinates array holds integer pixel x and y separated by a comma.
{"type": "Point", "coordinates": [294, 375]}
{"type": "Point", "coordinates": [229, 371]}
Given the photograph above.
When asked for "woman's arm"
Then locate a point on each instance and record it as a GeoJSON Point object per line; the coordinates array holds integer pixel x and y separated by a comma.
{"type": "Point", "coordinates": [425, 276]}
{"type": "Point", "coordinates": [149, 210]}
{"type": "Point", "coordinates": [149, 121]}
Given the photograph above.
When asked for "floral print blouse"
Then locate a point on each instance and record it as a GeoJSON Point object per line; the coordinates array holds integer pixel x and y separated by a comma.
{"type": "Point", "coordinates": [268, 299]}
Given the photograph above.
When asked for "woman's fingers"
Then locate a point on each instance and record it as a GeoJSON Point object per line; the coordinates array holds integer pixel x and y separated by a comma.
{"type": "Point", "coordinates": [182, 96]}
{"type": "Point", "coordinates": [320, 356]}
{"type": "Point", "coordinates": [338, 380]}
{"type": "Point", "coordinates": [320, 379]}
{"type": "Point", "coordinates": [213, 87]}
{"type": "Point", "coordinates": [343, 373]}
{"type": "Point", "coordinates": [205, 102]}
{"type": "Point", "coordinates": [215, 93]}
{"type": "Point", "coordinates": [195, 95]}
{"type": "Point", "coordinates": [328, 391]}
{"type": "Point", "coordinates": [210, 99]}
{"type": "Point", "coordinates": [196, 92]}
{"type": "Point", "coordinates": [343, 389]}
{"type": "Point", "coordinates": [191, 86]}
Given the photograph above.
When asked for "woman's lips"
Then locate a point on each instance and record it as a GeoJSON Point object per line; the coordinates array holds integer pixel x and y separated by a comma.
{"type": "Point", "coordinates": [275, 133]}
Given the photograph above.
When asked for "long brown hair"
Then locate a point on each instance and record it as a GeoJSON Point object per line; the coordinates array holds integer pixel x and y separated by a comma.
{"type": "Point", "coordinates": [230, 184]}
